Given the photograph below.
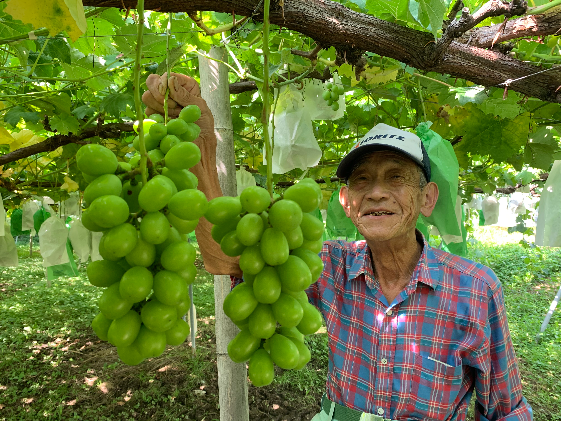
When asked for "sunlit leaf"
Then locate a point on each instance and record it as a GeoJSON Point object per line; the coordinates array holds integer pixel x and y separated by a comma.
{"type": "Point", "coordinates": [55, 15]}
{"type": "Point", "coordinates": [23, 139]}
{"type": "Point", "coordinates": [69, 184]}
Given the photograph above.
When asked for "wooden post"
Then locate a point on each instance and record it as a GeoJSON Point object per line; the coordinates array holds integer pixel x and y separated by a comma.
{"type": "Point", "coordinates": [232, 377]}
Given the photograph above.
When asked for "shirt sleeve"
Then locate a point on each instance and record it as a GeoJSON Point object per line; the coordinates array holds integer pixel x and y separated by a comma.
{"type": "Point", "coordinates": [499, 390]}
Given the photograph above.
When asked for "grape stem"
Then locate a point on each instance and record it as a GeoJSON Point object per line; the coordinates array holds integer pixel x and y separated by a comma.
{"type": "Point", "coordinates": [137, 97]}
{"type": "Point", "coordinates": [266, 105]}
{"type": "Point", "coordinates": [168, 70]}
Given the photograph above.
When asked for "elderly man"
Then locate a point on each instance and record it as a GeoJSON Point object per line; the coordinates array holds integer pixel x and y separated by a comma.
{"type": "Point", "coordinates": [412, 330]}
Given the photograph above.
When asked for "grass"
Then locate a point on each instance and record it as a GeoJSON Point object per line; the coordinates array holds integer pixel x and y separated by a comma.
{"type": "Point", "coordinates": [53, 367]}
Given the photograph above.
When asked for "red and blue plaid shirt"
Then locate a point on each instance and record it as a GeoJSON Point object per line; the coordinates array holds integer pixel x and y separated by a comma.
{"type": "Point", "coordinates": [421, 356]}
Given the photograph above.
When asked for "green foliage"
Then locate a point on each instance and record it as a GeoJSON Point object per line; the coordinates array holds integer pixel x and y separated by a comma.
{"type": "Point", "coordinates": [70, 82]}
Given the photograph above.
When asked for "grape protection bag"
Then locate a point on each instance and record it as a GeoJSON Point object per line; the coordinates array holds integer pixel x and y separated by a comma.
{"type": "Point", "coordinates": [95, 239]}
{"type": "Point", "coordinates": [52, 242]}
{"type": "Point", "coordinates": [80, 238]}
{"type": "Point", "coordinates": [15, 223]}
{"type": "Point", "coordinates": [337, 223]}
{"type": "Point", "coordinates": [295, 145]}
{"type": "Point", "coordinates": [8, 249]}
{"type": "Point", "coordinates": [28, 210]}
{"type": "Point", "coordinates": [444, 172]}
{"type": "Point", "coordinates": [2, 216]}
{"type": "Point", "coordinates": [490, 208]}
{"type": "Point", "coordinates": [548, 228]}
{"type": "Point", "coordinates": [244, 179]}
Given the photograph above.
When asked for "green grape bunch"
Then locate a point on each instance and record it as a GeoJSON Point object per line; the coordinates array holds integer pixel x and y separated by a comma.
{"type": "Point", "coordinates": [278, 244]}
{"type": "Point", "coordinates": [148, 263]}
{"type": "Point", "coordinates": [332, 93]}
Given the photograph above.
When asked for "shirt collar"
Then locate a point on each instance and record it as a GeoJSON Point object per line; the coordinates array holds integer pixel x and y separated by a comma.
{"type": "Point", "coordinates": [425, 272]}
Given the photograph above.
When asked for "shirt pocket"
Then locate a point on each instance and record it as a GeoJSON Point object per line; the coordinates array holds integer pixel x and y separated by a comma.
{"type": "Point", "coordinates": [434, 389]}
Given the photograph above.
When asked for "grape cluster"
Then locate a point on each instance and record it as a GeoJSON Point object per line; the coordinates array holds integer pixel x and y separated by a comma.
{"type": "Point", "coordinates": [147, 263]}
{"type": "Point", "coordinates": [332, 93]}
{"type": "Point", "coordinates": [278, 244]}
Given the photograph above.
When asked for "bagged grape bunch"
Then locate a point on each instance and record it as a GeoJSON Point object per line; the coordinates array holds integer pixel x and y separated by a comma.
{"type": "Point", "coordinates": [147, 263]}
{"type": "Point", "coordinates": [278, 244]}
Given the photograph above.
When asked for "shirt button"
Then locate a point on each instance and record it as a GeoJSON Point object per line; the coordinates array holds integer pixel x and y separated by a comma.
{"type": "Point", "coordinates": [384, 361]}
{"type": "Point", "coordinates": [380, 411]}
{"type": "Point", "coordinates": [389, 312]}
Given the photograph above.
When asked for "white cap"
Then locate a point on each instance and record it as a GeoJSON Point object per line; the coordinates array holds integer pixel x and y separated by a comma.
{"type": "Point", "coordinates": [383, 137]}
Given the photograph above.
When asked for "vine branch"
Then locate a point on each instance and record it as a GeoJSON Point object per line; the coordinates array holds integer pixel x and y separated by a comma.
{"type": "Point", "coordinates": [106, 131]}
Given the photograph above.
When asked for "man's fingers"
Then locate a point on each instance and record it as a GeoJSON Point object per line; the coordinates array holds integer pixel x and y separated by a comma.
{"type": "Point", "coordinates": [153, 84]}
{"type": "Point", "coordinates": [150, 101]}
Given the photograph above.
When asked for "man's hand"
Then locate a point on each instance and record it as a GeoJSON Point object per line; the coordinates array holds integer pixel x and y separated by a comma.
{"type": "Point", "coordinates": [183, 91]}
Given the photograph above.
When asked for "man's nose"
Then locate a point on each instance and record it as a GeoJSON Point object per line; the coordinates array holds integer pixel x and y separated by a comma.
{"type": "Point", "coordinates": [378, 189]}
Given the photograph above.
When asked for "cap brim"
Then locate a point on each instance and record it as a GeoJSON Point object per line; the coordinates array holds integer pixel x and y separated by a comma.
{"type": "Point", "coordinates": [347, 164]}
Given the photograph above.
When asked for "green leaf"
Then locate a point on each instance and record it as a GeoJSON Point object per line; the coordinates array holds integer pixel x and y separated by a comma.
{"type": "Point", "coordinates": [115, 103]}
{"type": "Point", "coordinates": [92, 43]}
{"type": "Point", "coordinates": [56, 48]}
{"type": "Point", "coordinates": [83, 111]}
{"type": "Point", "coordinates": [540, 148]}
{"type": "Point", "coordinates": [14, 116]}
{"type": "Point", "coordinates": [524, 177]}
{"type": "Point", "coordinates": [69, 151]}
{"type": "Point", "coordinates": [487, 135]}
{"type": "Point", "coordinates": [395, 8]}
{"type": "Point", "coordinates": [44, 67]}
{"type": "Point", "coordinates": [504, 108]}
{"type": "Point", "coordinates": [62, 102]}
{"type": "Point", "coordinates": [433, 11]}
{"type": "Point", "coordinates": [64, 123]}
{"type": "Point", "coordinates": [174, 55]}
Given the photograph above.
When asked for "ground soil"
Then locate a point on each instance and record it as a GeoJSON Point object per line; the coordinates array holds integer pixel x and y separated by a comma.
{"type": "Point", "coordinates": [170, 378]}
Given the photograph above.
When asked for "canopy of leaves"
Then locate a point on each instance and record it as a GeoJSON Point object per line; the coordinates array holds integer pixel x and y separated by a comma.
{"type": "Point", "coordinates": [65, 89]}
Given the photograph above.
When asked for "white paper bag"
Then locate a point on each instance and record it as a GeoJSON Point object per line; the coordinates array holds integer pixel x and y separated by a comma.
{"type": "Point", "coordinates": [8, 249]}
{"type": "Point", "coordinates": [2, 217]}
{"type": "Point", "coordinates": [295, 145]}
{"type": "Point", "coordinates": [52, 242]}
{"type": "Point", "coordinates": [490, 207]}
{"type": "Point", "coordinates": [96, 238]}
{"type": "Point", "coordinates": [80, 238]}
{"type": "Point", "coordinates": [244, 179]}
{"type": "Point", "coordinates": [28, 210]}
{"type": "Point", "coordinates": [548, 228]}
{"type": "Point", "coordinates": [70, 206]}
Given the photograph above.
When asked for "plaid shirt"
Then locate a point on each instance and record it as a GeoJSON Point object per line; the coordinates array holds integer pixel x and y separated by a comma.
{"type": "Point", "coordinates": [420, 357]}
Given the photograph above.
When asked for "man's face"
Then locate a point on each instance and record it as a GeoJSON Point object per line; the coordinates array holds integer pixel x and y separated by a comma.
{"type": "Point", "coordinates": [383, 197]}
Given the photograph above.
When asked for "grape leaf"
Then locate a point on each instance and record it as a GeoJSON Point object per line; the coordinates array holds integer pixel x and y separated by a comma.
{"type": "Point", "coordinates": [64, 123]}
{"type": "Point", "coordinates": [432, 11]}
{"type": "Point", "coordinates": [55, 48]}
{"type": "Point", "coordinates": [83, 111]}
{"type": "Point", "coordinates": [540, 148]}
{"type": "Point", "coordinates": [55, 15]}
{"type": "Point", "coordinates": [507, 108]}
{"type": "Point", "coordinates": [14, 116]}
{"type": "Point", "coordinates": [114, 103]}
{"type": "Point", "coordinates": [379, 8]}
{"type": "Point", "coordinates": [487, 135]}
{"type": "Point", "coordinates": [91, 43]}
{"type": "Point", "coordinates": [44, 66]}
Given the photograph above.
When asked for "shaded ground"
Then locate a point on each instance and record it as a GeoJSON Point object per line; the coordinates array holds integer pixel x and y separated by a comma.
{"type": "Point", "coordinates": [176, 385]}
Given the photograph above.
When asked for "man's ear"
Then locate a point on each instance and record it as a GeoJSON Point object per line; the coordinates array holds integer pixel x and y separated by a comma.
{"type": "Point", "coordinates": [430, 197]}
{"type": "Point", "coordinates": [344, 200]}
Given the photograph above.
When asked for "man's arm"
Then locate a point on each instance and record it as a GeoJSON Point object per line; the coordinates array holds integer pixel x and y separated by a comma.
{"type": "Point", "coordinates": [185, 91]}
{"type": "Point", "coordinates": [499, 393]}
